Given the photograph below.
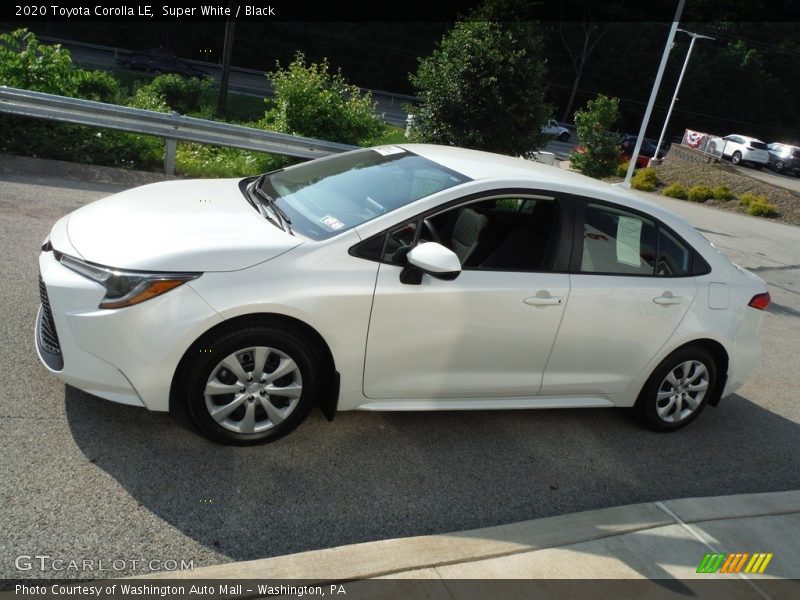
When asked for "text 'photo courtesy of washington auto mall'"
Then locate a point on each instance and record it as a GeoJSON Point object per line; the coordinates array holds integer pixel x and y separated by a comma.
{"type": "Point", "coordinates": [489, 298]}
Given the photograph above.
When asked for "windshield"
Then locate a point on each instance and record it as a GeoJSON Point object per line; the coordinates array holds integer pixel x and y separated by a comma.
{"type": "Point", "coordinates": [328, 196]}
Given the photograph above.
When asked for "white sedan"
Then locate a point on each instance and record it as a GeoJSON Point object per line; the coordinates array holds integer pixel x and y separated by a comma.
{"type": "Point", "coordinates": [407, 277]}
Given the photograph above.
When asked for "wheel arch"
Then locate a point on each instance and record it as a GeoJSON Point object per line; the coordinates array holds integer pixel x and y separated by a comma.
{"type": "Point", "coordinates": [721, 360]}
{"type": "Point", "coordinates": [328, 402]}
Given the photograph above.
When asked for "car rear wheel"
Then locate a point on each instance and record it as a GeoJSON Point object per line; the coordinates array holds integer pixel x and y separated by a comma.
{"type": "Point", "coordinates": [564, 137]}
{"type": "Point", "coordinates": [251, 384]}
{"type": "Point", "coordinates": [678, 390]}
{"type": "Point", "coordinates": [779, 166]}
{"type": "Point", "coordinates": [736, 158]}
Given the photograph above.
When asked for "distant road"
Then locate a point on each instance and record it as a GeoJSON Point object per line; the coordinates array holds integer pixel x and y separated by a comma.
{"type": "Point", "coordinates": [242, 81]}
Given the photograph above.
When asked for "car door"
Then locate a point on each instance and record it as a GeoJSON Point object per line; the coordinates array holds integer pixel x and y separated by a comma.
{"type": "Point", "coordinates": [631, 287]}
{"type": "Point", "coordinates": [489, 332]}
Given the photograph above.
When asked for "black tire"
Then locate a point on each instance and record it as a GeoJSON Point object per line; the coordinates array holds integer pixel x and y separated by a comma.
{"type": "Point", "coordinates": [779, 166]}
{"type": "Point", "coordinates": [285, 342]}
{"type": "Point", "coordinates": [564, 137]}
{"type": "Point", "coordinates": [736, 158]}
{"type": "Point", "coordinates": [648, 404]}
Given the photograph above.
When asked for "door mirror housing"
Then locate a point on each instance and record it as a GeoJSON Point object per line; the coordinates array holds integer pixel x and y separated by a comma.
{"type": "Point", "coordinates": [432, 259]}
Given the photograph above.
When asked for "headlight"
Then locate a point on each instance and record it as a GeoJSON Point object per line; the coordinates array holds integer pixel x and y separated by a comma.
{"type": "Point", "coordinates": [126, 288]}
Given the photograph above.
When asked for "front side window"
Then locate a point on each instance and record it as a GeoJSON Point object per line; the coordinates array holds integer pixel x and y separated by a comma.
{"type": "Point", "coordinates": [326, 197]}
{"type": "Point", "coordinates": [505, 233]}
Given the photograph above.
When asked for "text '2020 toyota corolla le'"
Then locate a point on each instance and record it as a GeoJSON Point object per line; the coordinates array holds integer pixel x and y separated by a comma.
{"type": "Point", "coordinates": [393, 278]}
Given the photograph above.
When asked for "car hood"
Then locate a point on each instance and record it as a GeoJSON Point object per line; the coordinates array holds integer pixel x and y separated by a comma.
{"type": "Point", "coordinates": [195, 225]}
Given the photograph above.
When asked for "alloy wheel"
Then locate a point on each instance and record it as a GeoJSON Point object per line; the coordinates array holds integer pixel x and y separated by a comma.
{"type": "Point", "coordinates": [253, 389]}
{"type": "Point", "coordinates": [682, 391]}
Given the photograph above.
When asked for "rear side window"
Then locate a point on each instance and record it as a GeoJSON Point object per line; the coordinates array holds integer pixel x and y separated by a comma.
{"type": "Point", "coordinates": [618, 242]}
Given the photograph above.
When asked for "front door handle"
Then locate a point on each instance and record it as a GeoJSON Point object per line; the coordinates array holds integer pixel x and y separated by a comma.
{"type": "Point", "coordinates": [544, 301]}
{"type": "Point", "coordinates": [667, 298]}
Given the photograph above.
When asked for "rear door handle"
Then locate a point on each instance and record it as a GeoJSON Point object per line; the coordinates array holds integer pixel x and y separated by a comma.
{"type": "Point", "coordinates": [667, 298]}
{"type": "Point", "coordinates": [544, 301]}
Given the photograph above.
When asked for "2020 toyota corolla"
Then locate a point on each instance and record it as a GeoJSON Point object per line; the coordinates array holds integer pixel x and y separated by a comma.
{"type": "Point", "coordinates": [394, 278]}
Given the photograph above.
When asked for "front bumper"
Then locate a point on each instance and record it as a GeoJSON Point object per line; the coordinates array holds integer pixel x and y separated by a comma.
{"type": "Point", "coordinates": [126, 355]}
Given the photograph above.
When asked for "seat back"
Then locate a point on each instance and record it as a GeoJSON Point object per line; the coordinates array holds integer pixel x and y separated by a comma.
{"type": "Point", "coordinates": [467, 233]}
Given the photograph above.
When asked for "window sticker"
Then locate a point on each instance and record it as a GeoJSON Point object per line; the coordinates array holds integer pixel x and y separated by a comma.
{"type": "Point", "coordinates": [629, 234]}
{"type": "Point", "coordinates": [332, 223]}
{"type": "Point", "coordinates": [389, 150]}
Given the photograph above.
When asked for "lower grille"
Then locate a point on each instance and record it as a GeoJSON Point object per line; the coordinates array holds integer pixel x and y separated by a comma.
{"type": "Point", "coordinates": [48, 337]}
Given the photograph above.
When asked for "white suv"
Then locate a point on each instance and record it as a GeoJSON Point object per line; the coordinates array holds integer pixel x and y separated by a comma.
{"type": "Point", "coordinates": [559, 132]}
{"type": "Point", "coordinates": [741, 149]}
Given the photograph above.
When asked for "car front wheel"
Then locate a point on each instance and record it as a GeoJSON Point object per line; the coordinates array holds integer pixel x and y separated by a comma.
{"type": "Point", "coordinates": [678, 390]}
{"type": "Point", "coordinates": [564, 137]}
{"type": "Point", "coordinates": [251, 384]}
{"type": "Point", "coordinates": [736, 158]}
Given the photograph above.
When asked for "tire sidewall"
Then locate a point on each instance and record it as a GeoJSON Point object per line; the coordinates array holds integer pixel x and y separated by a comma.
{"type": "Point", "coordinates": [209, 355]}
{"type": "Point", "coordinates": [646, 403]}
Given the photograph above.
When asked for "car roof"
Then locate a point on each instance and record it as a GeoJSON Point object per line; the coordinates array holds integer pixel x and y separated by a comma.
{"type": "Point", "coordinates": [478, 165]}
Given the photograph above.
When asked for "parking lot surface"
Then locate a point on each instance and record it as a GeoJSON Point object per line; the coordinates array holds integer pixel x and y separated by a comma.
{"type": "Point", "coordinates": [84, 478]}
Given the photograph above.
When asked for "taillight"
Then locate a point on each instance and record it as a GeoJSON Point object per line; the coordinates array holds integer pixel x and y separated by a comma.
{"type": "Point", "coordinates": [760, 301]}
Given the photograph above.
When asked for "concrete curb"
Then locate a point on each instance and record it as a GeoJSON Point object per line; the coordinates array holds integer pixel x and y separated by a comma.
{"type": "Point", "coordinates": [385, 557]}
{"type": "Point", "coordinates": [43, 168]}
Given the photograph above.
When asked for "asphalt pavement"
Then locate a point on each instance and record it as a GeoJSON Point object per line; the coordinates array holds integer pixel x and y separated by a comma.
{"type": "Point", "coordinates": [86, 478]}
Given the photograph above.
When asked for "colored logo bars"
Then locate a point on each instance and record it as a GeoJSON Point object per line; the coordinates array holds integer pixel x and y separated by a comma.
{"type": "Point", "coordinates": [735, 562]}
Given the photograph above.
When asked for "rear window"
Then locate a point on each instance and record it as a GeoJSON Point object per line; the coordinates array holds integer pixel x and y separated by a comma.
{"type": "Point", "coordinates": [758, 145]}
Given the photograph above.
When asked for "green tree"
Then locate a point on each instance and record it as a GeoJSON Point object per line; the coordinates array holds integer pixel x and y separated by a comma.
{"type": "Point", "coordinates": [311, 101]}
{"type": "Point", "coordinates": [600, 154]}
{"type": "Point", "coordinates": [484, 88]}
{"type": "Point", "coordinates": [29, 65]}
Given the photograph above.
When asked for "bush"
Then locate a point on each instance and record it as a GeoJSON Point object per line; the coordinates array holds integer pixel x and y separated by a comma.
{"type": "Point", "coordinates": [721, 192]}
{"type": "Point", "coordinates": [601, 150]}
{"type": "Point", "coordinates": [747, 199]}
{"type": "Point", "coordinates": [310, 101]}
{"type": "Point", "coordinates": [700, 193]}
{"type": "Point", "coordinates": [676, 190]}
{"type": "Point", "coordinates": [29, 65]}
{"type": "Point", "coordinates": [177, 93]}
{"type": "Point", "coordinates": [99, 86]}
{"type": "Point", "coordinates": [645, 180]}
{"type": "Point", "coordinates": [622, 169]}
{"type": "Point", "coordinates": [484, 87]}
{"type": "Point", "coordinates": [762, 209]}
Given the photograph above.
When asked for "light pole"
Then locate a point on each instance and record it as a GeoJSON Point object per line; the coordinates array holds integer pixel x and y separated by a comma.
{"type": "Point", "coordinates": [694, 36]}
{"type": "Point", "coordinates": [653, 94]}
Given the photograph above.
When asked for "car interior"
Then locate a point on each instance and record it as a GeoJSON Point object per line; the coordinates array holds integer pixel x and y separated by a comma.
{"type": "Point", "coordinates": [516, 234]}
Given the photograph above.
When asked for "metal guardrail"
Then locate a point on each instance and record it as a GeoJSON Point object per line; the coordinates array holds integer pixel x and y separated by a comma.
{"type": "Point", "coordinates": [170, 126]}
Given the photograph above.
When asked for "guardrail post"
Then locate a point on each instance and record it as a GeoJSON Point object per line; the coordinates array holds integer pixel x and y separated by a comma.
{"type": "Point", "coordinates": [169, 156]}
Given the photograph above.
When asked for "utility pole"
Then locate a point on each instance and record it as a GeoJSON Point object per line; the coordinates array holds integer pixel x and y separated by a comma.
{"type": "Point", "coordinates": [226, 67]}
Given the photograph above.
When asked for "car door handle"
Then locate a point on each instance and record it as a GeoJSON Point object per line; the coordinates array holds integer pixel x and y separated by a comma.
{"type": "Point", "coordinates": [667, 298]}
{"type": "Point", "coordinates": [544, 301]}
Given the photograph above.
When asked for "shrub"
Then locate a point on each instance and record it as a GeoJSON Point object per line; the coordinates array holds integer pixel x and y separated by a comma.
{"type": "Point", "coordinates": [622, 169]}
{"type": "Point", "coordinates": [312, 102]}
{"type": "Point", "coordinates": [645, 180]}
{"type": "Point", "coordinates": [676, 190]}
{"type": "Point", "coordinates": [700, 193]}
{"type": "Point", "coordinates": [97, 85]}
{"type": "Point", "coordinates": [721, 192]}
{"type": "Point", "coordinates": [180, 94]}
{"type": "Point", "coordinates": [29, 65]}
{"type": "Point", "coordinates": [762, 209]}
{"type": "Point", "coordinates": [747, 199]}
{"type": "Point", "coordinates": [601, 151]}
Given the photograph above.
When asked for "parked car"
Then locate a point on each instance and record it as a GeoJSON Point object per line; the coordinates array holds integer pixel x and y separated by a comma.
{"type": "Point", "coordinates": [646, 152]}
{"type": "Point", "coordinates": [784, 158]}
{"type": "Point", "coordinates": [160, 60]}
{"type": "Point", "coordinates": [741, 149]}
{"type": "Point", "coordinates": [412, 277]}
{"type": "Point", "coordinates": [558, 131]}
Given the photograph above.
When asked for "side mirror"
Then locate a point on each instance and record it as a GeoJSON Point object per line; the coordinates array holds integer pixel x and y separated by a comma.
{"type": "Point", "coordinates": [433, 259]}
